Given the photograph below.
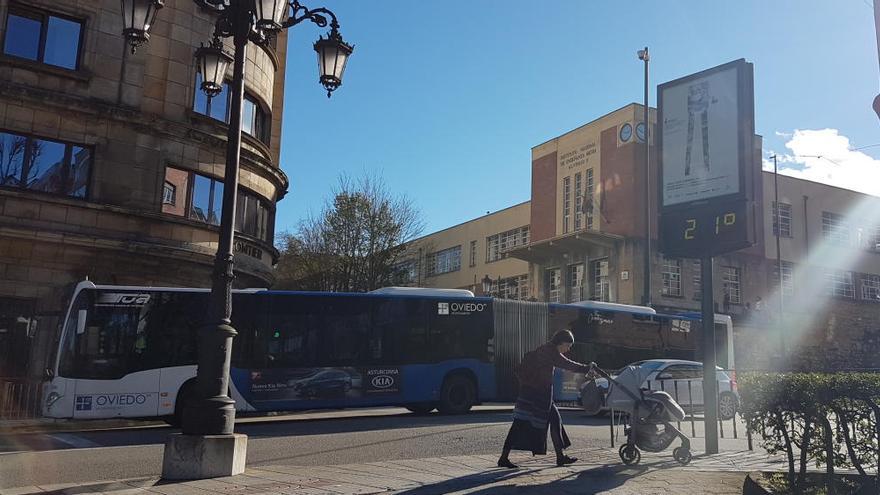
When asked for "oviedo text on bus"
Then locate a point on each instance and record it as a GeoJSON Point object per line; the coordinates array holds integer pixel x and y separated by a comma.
{"type": "Point", "coordinates": [131, 351]}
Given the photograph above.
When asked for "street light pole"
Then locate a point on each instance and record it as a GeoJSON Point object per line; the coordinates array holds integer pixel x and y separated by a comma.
{"type": "Point", "coordinates": [208, 447]}
{"type": "Point", "coordinates": [646, 297]}
{"type": "Point", "coordinates": [214, 412]}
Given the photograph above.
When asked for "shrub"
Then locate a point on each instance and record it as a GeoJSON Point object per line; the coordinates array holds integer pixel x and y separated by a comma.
{"type": "Point", "coordinates": [827, 418]}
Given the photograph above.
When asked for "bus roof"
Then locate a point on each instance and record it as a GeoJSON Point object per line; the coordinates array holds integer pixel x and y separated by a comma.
{"type": "Point", "coordinates": [719, 318]}
{"type": "Point", "coordinates": [399, 292]}
{"type": "Point", "coordinates": [607, 306]}
{"type": "Point", "coordinates": [422, 291]}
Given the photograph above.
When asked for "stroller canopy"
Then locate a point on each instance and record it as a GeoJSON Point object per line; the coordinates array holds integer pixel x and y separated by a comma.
{"type": "Point", "coordinates": [623, 391]}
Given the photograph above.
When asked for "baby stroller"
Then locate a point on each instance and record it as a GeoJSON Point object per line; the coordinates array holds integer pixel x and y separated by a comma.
{"type": "Point", "coordinates": [649, 416]}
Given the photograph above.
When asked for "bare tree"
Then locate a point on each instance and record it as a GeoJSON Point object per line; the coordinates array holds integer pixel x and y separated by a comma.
{"type": "Point", "coordinates": [11, 159]}
{"type": "Point", "coordinates": [355, 244]}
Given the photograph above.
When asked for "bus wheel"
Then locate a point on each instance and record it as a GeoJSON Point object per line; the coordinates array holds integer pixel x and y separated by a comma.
{"type": "Point", "coordinates": [457, 395]}
{"type": "Point", "coordinates": [420, 409]}
{"type": "Point", "coordinates": [185, 396]}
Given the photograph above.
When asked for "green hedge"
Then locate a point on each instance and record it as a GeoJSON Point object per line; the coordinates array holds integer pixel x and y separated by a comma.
{"type": "Point", "coordinates": [814, 418]}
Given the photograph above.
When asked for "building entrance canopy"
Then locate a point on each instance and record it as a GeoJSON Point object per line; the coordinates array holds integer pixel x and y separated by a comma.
{"type": "Point", "coordinates": [546, 250]}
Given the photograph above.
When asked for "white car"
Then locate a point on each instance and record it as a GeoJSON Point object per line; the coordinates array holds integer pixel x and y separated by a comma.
{"type": "Point", "coordinates": [683, 380]}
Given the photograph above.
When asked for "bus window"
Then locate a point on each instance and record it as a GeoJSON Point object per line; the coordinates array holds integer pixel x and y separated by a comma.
{"type": "Point", "coordinates": [345, 331]}
{"type": "Point", "coordinates": [464, 334]}
{"type": "Point", "coordinates": [399, 331]}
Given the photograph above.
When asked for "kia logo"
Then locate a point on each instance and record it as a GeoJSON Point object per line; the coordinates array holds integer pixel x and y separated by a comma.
{"type": "Point", "coordinates": [382, 381]}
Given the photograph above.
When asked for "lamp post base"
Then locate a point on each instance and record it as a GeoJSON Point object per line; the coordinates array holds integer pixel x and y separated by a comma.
{"type": "Point", "coordinates": [192, 457]}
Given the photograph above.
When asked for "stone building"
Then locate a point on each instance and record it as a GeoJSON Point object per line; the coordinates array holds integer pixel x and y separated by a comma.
{"type": "Point", "coordinates": [111, 163]}
{"type": "Point", "coordinates": [582, 236]}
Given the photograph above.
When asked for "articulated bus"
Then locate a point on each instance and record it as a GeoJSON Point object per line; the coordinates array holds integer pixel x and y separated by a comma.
{"type": "Point", "coordinates": [131, 351]}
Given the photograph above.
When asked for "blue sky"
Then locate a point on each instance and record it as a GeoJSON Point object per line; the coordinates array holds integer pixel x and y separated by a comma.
{"type": "Point", "coordinates": [446, 99]}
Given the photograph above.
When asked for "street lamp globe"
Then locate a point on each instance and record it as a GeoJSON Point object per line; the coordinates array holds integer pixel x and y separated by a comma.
{"type": "Point", "coordinates": [270, 14]}
{"type": "Point", "coordinates": [333, 54]}
{"type": "Point", "coordinates": [137, 18]}
{"type": "Point", "coordinates": [487, 284]}
{"type": "Point", "coordinates": [213, 62]}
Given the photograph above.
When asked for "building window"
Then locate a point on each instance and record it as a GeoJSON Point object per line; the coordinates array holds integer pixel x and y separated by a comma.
{"type": "Point", "coordinates": [731, 284]}
{"type": "Point", "coordinates": [589, 198]}
{"type": "Point", "coordinates": [511, 287]}
{"type": "Point", "coordinates": [787, 277]}
{"type": "Point", "coordinates": [252, 216]}
{"type": "Point", "coordinates": [445, 261]}
{"type": "Point", "coordinates": [499, 244]}
{"type": "Point", "coordinates": [840, 283]}
{"type": "Point", "coordinates": [169, 194]}
{"type": "Point", "coordinates": [473, 254]}
{"type": "Point", "coordinates": [44, 165]}
{"type": "Point", "coordinates": [869, 238]}
{"type": "Point", "coordinates": [671, 275]}
{"type": "Point", "coordinates": [215, 107]}
{"type": "Point", "coordinates": [42, 37]}
{"type": "Point", "coordinates": [566, 204]}
{"type": "Point", "coordinates": [407, 272]}
{"type": "Point", "coordinates": [207, 200]}
{"type": "Point", "coordinates": [784, 227]}
{"type": "Point", "coordinates": [601, 280]}
{"type": "Point", "coordinates": [578, 201]}
{"type": "Point", "coordinates": [254, 119]}
{"type": "Point", "coordinates": [576, 279]}
{"type": "Point", "coordinates": [201, 199]}
{"type": "Point", "coordinates": [871, 288]}
{"type": "Point", "coordinates": [554, 285]}
{"type": "Point", "coordinates": [698, 280]}
{"type": "Point", "coordinates": [835, 229]}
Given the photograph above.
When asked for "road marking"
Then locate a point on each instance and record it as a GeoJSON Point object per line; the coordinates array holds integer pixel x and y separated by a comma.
{"type": "Point", "coordinates": [73, 440]}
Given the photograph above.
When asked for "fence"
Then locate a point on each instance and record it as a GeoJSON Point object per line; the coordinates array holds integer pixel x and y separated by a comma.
{"type": "Point", "coordinates": [20, 399]}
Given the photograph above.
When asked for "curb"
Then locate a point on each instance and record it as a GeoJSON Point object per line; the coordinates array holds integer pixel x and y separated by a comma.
{"type": "Point", "coordinates": [14, 427]}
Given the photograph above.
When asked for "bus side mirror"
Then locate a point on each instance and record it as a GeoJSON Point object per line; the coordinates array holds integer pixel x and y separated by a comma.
{"type": "Point", "coordinates": [81, 321]}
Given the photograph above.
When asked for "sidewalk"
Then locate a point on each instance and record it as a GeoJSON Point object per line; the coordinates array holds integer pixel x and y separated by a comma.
{"type": "Point", "coordinates": [600, 471]}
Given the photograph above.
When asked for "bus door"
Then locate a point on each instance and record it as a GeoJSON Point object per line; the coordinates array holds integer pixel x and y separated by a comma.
{"type": "Point", "coordinates": [109, 357]}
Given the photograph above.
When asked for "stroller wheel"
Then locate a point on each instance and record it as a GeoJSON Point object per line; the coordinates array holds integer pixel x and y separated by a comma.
{"type": "Point", "coordinates": [682, 455]}
{"type": "Point", "coordinates": [629, 454]}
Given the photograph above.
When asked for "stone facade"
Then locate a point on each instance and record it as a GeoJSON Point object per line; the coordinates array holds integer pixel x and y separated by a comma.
{"type": "Point", "coordinates": [143, 149]}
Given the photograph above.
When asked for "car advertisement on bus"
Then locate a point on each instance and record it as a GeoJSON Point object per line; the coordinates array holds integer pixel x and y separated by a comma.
{"type": "Point", "coordinates": [324, 383]}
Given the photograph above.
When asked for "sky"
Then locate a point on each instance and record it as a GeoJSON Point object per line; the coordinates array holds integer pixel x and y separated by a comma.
{"type": "Point", "coordinates": [446, 99]}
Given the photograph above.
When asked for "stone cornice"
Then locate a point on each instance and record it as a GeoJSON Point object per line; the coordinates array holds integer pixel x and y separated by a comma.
{"type": "Point", "coordinates": [260, 163]}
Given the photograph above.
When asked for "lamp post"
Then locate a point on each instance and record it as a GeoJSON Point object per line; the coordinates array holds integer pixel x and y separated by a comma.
{"type": "Point", "coordinates": [487, 285]}
{"type": "Point", "coordinates": [213, 412]}
{"type": "Point", "coordinates": [646, 296]}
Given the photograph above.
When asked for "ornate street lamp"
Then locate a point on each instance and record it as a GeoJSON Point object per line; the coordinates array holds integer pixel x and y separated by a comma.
{"type": "Point", "coordinates": [137, 18]}
{"type": "Point", "coordinates": [270, 14]}
{"type": "Point", "coordinates": [213, 63]}
{"type": "Point", "coordinates": [333, 54]}
{"type": "Point", "coordinates": [487, 284]}
{"type": "Point", "coordinates": [212, 414]}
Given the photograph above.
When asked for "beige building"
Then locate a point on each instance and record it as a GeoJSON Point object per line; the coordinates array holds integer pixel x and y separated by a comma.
{"type": "Point", "coordinates": [111, 163]}
{"type": "Point", "coordinates": [585, 227]}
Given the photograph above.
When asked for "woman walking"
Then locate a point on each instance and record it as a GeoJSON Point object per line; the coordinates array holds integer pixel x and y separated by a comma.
{"type": "Point", "coordinates": [534, 410]}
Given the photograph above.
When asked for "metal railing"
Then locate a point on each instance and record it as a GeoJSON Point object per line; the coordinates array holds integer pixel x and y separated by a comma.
{"type": "Point", "coordinates": [20, 399]}
{"type": "Point", "coordinates": [729, 427]}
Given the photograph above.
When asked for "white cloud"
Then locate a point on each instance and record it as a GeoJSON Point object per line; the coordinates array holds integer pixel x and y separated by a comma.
{"type": "Point", "coordinates": [824, 155]}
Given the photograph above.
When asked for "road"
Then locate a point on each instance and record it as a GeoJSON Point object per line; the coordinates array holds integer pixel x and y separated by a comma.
{"type": "Point", "coordinates": [326, 438]}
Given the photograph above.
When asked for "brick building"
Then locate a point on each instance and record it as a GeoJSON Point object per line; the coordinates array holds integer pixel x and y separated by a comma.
{"type": "Point", "coordinates": [111, 163]}
{"type": "Point", "coordinates": [581, 236]}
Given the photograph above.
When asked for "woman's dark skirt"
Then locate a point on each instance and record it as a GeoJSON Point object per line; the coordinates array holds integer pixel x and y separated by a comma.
{"type": "Point", "coordinates": [528, 435]}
